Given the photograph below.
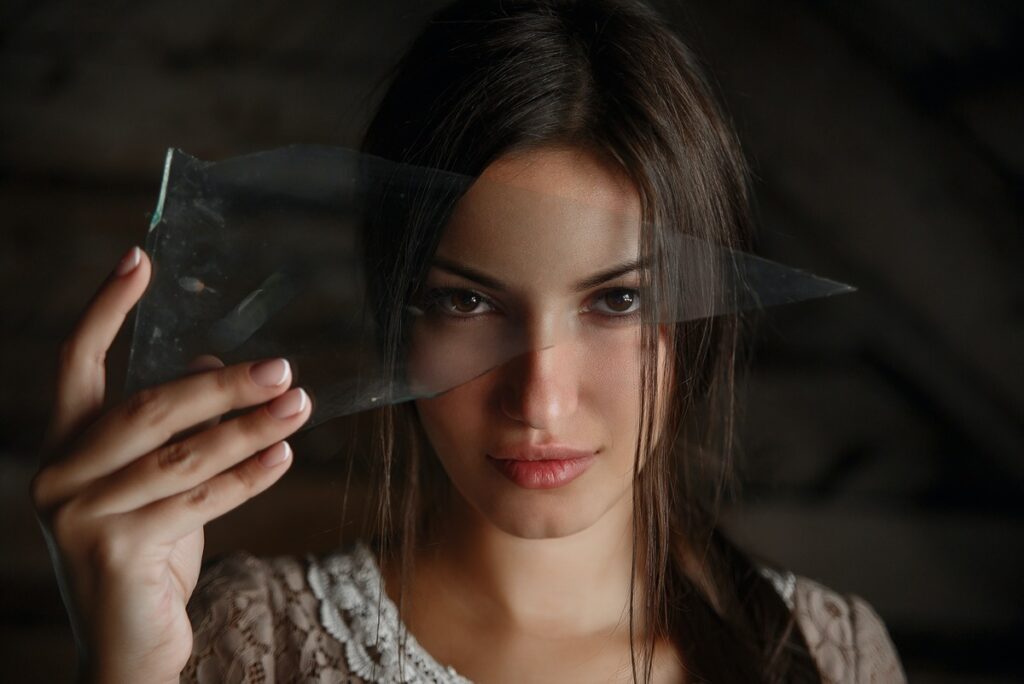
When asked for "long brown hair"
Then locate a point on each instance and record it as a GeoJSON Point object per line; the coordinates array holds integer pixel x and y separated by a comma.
{"type": "Point", "coordinates": [490, 77]}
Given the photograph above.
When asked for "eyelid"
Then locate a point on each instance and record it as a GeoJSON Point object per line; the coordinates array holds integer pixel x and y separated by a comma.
{"type": "Point", "coordinates": [442, 290]}
{"type": "Point", "coordinates": [439, 292]}
{"type": "Point", "coordinates": [598, 296]}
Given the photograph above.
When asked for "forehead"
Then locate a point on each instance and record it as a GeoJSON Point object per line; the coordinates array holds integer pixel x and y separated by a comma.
{"type": "Point", "coordinates": [545, 213]}
{"type": "Point", "coordinates": [572, 174]}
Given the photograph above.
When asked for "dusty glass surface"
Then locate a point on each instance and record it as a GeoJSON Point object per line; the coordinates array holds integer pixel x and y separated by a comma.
{"type": "Point", "coordinates": [264, 255]}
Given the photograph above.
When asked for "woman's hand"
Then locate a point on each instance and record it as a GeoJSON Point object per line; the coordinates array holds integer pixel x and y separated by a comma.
{"type": "Point", "coordinates": [123, 495]}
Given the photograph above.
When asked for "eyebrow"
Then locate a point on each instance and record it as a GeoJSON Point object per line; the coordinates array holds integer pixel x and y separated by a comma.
{"type": "Point", "coordinates": [493, 283]}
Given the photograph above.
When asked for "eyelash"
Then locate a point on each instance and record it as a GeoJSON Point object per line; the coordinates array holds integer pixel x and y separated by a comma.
{"type": "Point", "coordinates": [432, 299]}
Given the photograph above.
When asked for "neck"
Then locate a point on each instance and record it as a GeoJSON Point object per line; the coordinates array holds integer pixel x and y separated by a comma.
{"type": "Point", "coordinates": [572, 585]}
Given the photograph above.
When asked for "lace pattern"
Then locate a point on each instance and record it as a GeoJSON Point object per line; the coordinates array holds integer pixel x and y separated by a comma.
{"type": "Point", "coordinates": [846, 636]}
{"type": "Point", "coordinates": [357, 612]}
{"type": "Point", "coordinates": [329, 620]}
{"type": "Point", "coordinates": [257, 621]}
{"type": "Point", "coordinates": [784, 583]}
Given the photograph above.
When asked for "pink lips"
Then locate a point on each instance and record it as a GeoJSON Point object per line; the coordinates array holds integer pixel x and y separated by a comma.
{"type": "Point", "coordinates": [541, 466]}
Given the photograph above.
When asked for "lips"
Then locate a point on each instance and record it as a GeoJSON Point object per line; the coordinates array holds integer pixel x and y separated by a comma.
{"type": "Point", "coordinates": [540, 452]}
{"type": "Point", "coordinates": [541, 466]}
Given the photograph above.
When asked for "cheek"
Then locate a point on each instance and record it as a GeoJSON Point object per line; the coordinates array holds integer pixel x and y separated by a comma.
{"type": "Point", "coordinates": [611, 365]}
{"type": "Point", "coordinates": [455, 422]}
{"type": "Point", "coordinates": [606, 370]}
{"type": "Point", "coordinates": [609, 384]}
{"type": "Point", "coordinates": [612, 384]}
{"type": "Point", "coordinates": [444, 355]}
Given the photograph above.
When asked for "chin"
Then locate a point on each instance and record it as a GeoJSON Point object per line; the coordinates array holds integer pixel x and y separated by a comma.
{"type": "Point", "coordinates": [536, 515]}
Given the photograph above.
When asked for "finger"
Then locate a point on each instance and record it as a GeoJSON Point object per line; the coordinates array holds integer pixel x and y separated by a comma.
{"type": "Point", "coordinates": [148, 419]}
{"type": "Point", "coordinates": [180, 466]}
{"type": "Point", "coordinates": [81, 372]}
{"type": "Point", "coordinates": [170, 519]}
{"type": "Point", "coordinates": [198, 365]}
{"type": "Point", "coordinates": [202, 363]}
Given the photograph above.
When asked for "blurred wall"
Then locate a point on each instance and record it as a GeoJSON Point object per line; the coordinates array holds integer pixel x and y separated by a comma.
{"type": "Point", "coordinates": [884, 429]}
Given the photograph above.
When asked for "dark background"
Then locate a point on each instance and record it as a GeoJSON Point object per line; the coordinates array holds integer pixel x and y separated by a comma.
{"type": "Point", "coordinates": [884, 429]}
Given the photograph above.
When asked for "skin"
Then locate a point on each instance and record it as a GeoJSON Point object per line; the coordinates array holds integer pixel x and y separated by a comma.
{"type": "Point", "coordinates": [528, 584]}
{"type": "Point", "coordinates": [123, 495]}
{"type": "Point", "coordinates": [525, 586]}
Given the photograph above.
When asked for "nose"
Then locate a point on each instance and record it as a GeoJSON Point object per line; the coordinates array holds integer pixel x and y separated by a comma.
{"type": "Point", "coordinates": [540, 387]}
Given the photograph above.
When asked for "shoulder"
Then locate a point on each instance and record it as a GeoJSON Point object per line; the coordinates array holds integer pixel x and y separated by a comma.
{"type": "Point", "coordinates": [846, 637]}
{"type": "Point", "coordinates": [255, 618]}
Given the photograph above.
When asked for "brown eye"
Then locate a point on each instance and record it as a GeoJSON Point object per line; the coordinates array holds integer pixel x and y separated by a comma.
{"type": "Point", "coordinates": [620, 302]}
{"type": "Point", "coordinates": [456, 303]}
{"type": "Point", "coordinates": [465, 301]}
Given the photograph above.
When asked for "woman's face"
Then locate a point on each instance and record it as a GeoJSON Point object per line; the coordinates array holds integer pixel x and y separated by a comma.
{"type": "Point", "coordinates": [547, 352]}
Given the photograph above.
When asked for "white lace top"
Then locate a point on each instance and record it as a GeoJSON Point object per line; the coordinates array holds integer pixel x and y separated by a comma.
{"type": "Point", "coordinates": [329, 620]}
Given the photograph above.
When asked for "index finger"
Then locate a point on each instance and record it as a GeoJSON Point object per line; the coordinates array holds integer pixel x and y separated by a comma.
{"type": "Point", "coordinates": [149, 418]}
{"type": "Point", "coordinates": [81, 369]}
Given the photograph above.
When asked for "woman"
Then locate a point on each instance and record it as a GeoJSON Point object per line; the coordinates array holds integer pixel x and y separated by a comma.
{"type": "Point", "coordinates": [554, 519]}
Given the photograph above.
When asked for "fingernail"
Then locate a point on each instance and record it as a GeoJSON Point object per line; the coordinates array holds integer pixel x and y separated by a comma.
{"type": "Point", "coordinates": [276, 455]}
{"type": "Point", "coordinates": [289, 403]}
{"type": "Point", "coordinates": [270, 373]}
{"type": "Point", "coordinates": [129, 262]}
